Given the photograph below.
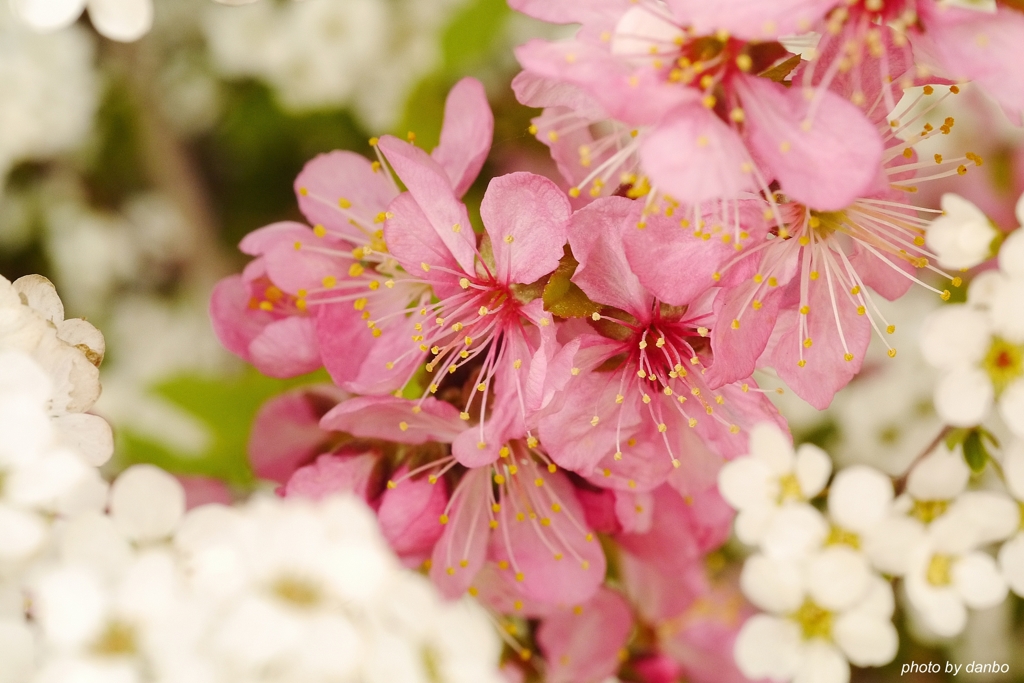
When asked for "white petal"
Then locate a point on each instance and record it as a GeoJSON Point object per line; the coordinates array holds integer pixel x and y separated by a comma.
{"type": "Point", "coordinates": [47, 479]}
{"type": "Point", "coordinates": [744, 482]}
{"type": "Point", "coordinates": [16, 651]}
{"type": "Point", "coordinates": [21, 374]}
{"type": "Point", "coordinates": [822, 663]}
{"type": "Point", "coordinates": [954, 336]}
{"type": "Point", "coordinates": [837, 577]}
{"type": "Point", "coordinates": [48, 15]}
{"type": "Point", "coordinates": [960, 238]}
{"type": "Point", "coordinates": [768, 647]}
{"type": "Point", "coordinates": [978, 580]}
{"type": "Point", "coordinates": [964, 397]}
{"type": "Point", "coordinates": [812, 468]}
{"type": "Point", "coordinates": [994, 516]}
{"type": "Point", "coordinates": [984, 287]}
{"type": "Point", "coordinates": [860, 497]}
{"type": "Point", "coordinates": [942, 475]}
{"type": "Point", "coordinates": [889, 543]}
{"type": "Point", "coordinates": [35, 290]}
{"type": "Point", "coordinates": [795, 530]}
{"type": "Point", "coordinates": [864, 640]}
{"type": "Point", "coordinates": [70, 605]}
{"type": "Point", "coordinates": [752, 523]}
{"type": "Point", "coordinates": [146, 503]}
{"type": "Point", "coordinates": [124, 20]}
{"type": "Point", "coordinates": [1013, 468]}
{"type": "Point", "coordinates": [941, 610]}
{"type": "Point", "coordinates": [92, 540]}
{"type": "Point", "coordinates": [1011, 562]}
{"type": "Point", "coordinates": [1007, 310]}
{"type": "Point", "coordinates": [1011, 407]}
{"type": "Point", "coordinates": [771, 445]}
{"type": "Point", "coordinates": [89, 435]}
{"type": "Point", "coordinates": [1011, 253]}
{"type": "Point", "coordinates": [772, 585]}
{"type": "Point", "coordinates": [21, 533]}
{"type": "Point", "coordinates": [878, 601]}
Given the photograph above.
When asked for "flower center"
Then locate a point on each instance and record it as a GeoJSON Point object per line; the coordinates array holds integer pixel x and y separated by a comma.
{"type": "Point", "coordinates": [938, 573]}
{"type": "Point", "coordinates": [839, 536]}
{"type": "Point", "coordinates": [297, 591]}
{"type": "Point", "coordinates": [789, 488]}
{"type": "Point", "coordinates": [1004, 363]}
{"type": "Point", "coordinates": [928, 510]}
{"type": "Point", "coordinates": [118, 638]}
{"type": "Point", "coordinates": [815, 621]}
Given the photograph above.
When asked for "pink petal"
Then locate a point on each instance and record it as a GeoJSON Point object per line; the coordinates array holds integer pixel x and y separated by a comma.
{"type": "Point", "coordinates": [466, 135]}
{"type": "Point", "coordinates": [286, 348]}
{"type": "Point", "coordinates": [460, 552]}
{"type": "Point", "coordinates": [409, 512]}
{"type": "Point", "coordinates": [985, 48]}
{"type": "Point", "coordinates": [634, 511]}
{"type": "Point", "coordinates": [204, 490]}
{"type": "Point", "coordinates": [553, 561]}
{"type": "Point", "coordinates": [412, 240]}
{"type": "Point", "coordinates": [234, 322]}
{"type": "Point", "coordinates": [583, 643]}
{"type": "Point", "coordinates": [357, 360]}
{"type": "Point", "coordinates": [751, 19]}
{"type": "Point", "coordinates": [266, 238]}
{"type": "Point", "coordinates": [663, 570]}
{"type": "Point", "coordinates": [525, 216]}
{"type": "Point", "coordinates": [491, 589]}
{"type": "Point", "coordinates": [824, 166]}
{"type": "Point", "coordinates": [339, 186]}
{"type": "Point", "coordinates": [540, 92]}
{"type": "Point", "coordinates": [568, 11]}
{"type": "Point", "coordinates": [636, 97]}
{"type": "Point", "coordinates": [331, 474]}
{"type": "Point", "coordinates": [676, 265]}
{"type": "Point", "coordinates": [891, 281]}
{"type": "Point", "coordinates": [738, 347]}
{"type": "Point", "coordinates": [382, 417]}
{"type": "Point", "coordinates": [305, 268]}
{"type": "Point", "coordinates": [286, 431]}
{"type": "Point", "coordinates": [599, 509]}
{"type": "Point", "coordinates": [694, 157]}
{"type": "Point", "coordinates": [440, 213]}
{"type": "Point", "coordinates": [825, 371]}
{"type": "Point", "coordinates": [595, 235]}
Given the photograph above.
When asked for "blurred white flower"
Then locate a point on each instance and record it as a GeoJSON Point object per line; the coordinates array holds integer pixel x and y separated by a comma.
{"type": "Point", "coordinates": [1011, 555]}
{"type": "Point", "coordinates": [980, 346]}
{"type": "Point", "coordinates": [962, 236]}
{"type": "Point", "coordinates": [123, 20]}
{"type": "Point", "coordinates": [947, 574]}
{"type": "Point", "coordinates": [321, 53]}
{"type": "Point", "coordinates": [823, 614]}
{"type": "Point", "coordinates": [40, 477]}
{"type": "Point", "coordinates": [50, 91]}
{"type": "Point", "coordinates": [771, 477]}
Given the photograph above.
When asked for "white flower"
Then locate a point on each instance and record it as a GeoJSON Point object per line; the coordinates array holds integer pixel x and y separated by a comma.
{"type": "Point", "coordinates": [123, 20]}
{"type": "Point", "coordinates": [40, 478]}
{"type": "Point", "coordinates": [825, 612]}
{"type": "Point", "coordinates": [69, 351]}
{"type": "Point", "coordinates": [962, 237]}
{"type": "Point", "coordinates": [773, 475]}
{"type": "Point", "coordinates": [980, 345]}
{"type": "Point", "coordinates": [948, 574]}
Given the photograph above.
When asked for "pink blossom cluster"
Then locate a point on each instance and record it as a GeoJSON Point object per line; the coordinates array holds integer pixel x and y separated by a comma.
{"type": "Point", "coordinates": [537, 407]}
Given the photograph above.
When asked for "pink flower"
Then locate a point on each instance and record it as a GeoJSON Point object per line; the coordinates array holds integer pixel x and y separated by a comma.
{"type": "Point", "coordinates": [480, 305]}
{"type": "Point", "coordinates": [519, 515]}
{"type": "Point", "coordinates": [317, 280]}
{"type": "Point", "coordinates": [639, 401]}
{"type": "Point", "coordinates": [807, 306]}
{"type": "Point", "coordinates": [256, 320]}
{"type": "Point", "coordinates": [690, 121]}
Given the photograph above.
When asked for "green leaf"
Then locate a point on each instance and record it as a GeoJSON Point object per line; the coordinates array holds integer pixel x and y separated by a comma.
{"type": "Point", "coordinates": [780, 72]}
{"type": "Point", "coordinates": [562, 297]}
{"type": "Point", "coordinates": [956, 437]}
{"type": "Point", "coordinates": [974, 451]}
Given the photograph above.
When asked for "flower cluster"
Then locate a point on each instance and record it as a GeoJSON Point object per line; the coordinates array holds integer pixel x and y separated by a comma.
{"type": "Point", "coordinates": [821, 577]}
{"type": "Point", "coordinates": [119, 583]}
{"type": "Point", "coordinates": [538, 406]}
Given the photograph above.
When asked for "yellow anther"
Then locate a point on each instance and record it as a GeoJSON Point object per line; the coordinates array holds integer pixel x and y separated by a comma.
{"type": "Point", "coordinates": [463, 415]}
{"type": "Point", "coordinates": [594, 420]}
{"type": "Point", "coordinates": [443, 519]}
{"type": "Point", "coordinates": [329, 281]}
{"type": "Point", "coordinates": [848, 357]}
